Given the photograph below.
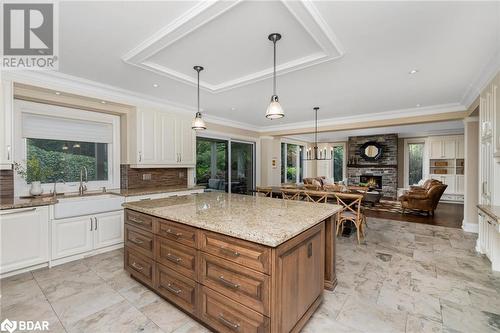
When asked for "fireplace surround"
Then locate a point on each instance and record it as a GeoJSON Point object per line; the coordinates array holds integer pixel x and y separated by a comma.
{"type": "Point", "coordinates": [373, 181]}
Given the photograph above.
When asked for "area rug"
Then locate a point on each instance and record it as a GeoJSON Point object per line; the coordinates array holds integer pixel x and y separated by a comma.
{"type": "Point", "coordinates": [390, 206]}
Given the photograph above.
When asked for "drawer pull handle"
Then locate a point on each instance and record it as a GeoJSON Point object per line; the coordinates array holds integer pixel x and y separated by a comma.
{"type": "Point", "coordinates": [173, 289]}
{"type": "Point", "coordinates": [175, 234]}
{"type": "Point", "coordinates": [137, 241]}
{"type": "Point", "coordinates": [228, 283]}
{"type": "Point", "coordinates": [228, 323]}
{"type": "Point", "coordinates": [137, 266]}
{"type": "Point", "coordinates": [132, 219]}
{"type": "Point", "coordinates": [173, 258]}
{"type": "Point", "coordinates": [230, 251]}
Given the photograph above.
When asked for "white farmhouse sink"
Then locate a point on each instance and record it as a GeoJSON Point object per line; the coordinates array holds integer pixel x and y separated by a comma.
{"type": "Point", "coordinates": [86, 205]}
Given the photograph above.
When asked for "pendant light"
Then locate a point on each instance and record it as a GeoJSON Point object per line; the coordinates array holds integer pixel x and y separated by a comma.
{"type": "Point", "coordinates": [315, 154]}
{"type": "Point", "coordinates": [198, 122]}
{"type": "Point", "coordinates": [274, 110]}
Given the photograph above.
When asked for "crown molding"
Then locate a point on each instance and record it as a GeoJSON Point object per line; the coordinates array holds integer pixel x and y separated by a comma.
{"type": "Point", "coordinates": [473, 119]}
{"type": "Point", "coordinates": [304, 12]}
{"type": "Point", "coordinates": [393, 114]}
{"type": "Point", "coordinates": [484, 77]}
{"type": "Point", "coordinates": [231, 123]}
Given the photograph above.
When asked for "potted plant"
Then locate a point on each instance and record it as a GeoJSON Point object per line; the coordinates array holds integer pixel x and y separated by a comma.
{"type": "Point", "coordinates": [33, 173]}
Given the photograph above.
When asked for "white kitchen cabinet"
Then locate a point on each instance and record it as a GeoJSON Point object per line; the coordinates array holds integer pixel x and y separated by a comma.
{"type": "Point", "coordinates": [436, 149]}
{"type": "Point", "coordinates": [24, 236]}
{"type": "Point", "coordinates": [108, 229]}
{"type": "Point", "coordinates": [72, 236]}
{"type": "Point", "coordinates": [460, 148]}
{"type": "Point", "coordinates": [78, 235]}
{"type": "Point", "coordinates": [449, 146]}
{"type": "Point", "coordinates": [6, 125]}
{"type": "Point", "coordinates": [442, 147]}
{"type": "Point", "coordinates": [164, 139]}
{"type": "Point", "coordinates": [460, 187]}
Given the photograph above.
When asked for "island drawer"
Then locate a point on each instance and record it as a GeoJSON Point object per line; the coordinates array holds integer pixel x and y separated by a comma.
{"type": "Point", "coordinates": [139, 240]}
{"type": "Point", "coordinates": [249, 287]}
{"type": "Point", "coordinates": [140, 220]}
{"type": "Point", "coordinates": [139, 266]}
{"type": "Point", "coordinates": [180, 258]}
{"type": "Point", "coordinates": [175, 231]}
{"type": "Point", "coordinates": [225, 315]}
{"type": "Point", "coordinates": [176, 288]}
{"type": "Point", "coordinates": [245, 253]}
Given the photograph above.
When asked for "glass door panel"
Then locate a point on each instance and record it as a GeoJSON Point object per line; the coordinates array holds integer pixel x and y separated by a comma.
{"type": "Point", "coordinates": [242, 167]}
{"type": "Point", "coordinates": [212, 164]}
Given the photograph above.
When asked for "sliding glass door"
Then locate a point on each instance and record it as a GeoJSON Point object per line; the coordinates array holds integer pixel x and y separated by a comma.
{"type": "Point", "coordinates": [219, 160]}
{"type": "Point", "coordinates": [292, 163]}
{"type": "Point", "coordinates": [242, 167]}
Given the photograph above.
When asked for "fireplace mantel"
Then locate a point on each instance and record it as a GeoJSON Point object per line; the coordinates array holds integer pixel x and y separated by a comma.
{"type": "Point", "coordinates": [372, 166]}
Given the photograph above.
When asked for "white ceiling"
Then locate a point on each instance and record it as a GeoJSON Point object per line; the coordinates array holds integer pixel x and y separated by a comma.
{"type": "Point", "coordinates": [379, 42]}
{"type": "Point", "coordinates": [404, 131]}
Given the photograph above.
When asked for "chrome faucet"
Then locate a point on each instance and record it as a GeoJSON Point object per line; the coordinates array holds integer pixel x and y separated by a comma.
{"type": "Point", "coordinates": [54, 192]}
{"type": "Point", "coordinates": [83, 187]}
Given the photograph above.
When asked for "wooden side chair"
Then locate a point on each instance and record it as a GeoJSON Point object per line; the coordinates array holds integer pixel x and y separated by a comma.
{"type": "Point", "coordinates": [290, 194]}
{"type": "Point", "coordinates": [351, 204]}
{"type": "Point", "coordinates": [316, 196]}
{"type": "Point", "coordinates": [264, 191]}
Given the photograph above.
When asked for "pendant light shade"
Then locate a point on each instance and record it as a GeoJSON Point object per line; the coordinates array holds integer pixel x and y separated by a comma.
{"type": "Point", "coordinates": [274, 110]}
{"type": "Point", "coordinates": [198, 122]}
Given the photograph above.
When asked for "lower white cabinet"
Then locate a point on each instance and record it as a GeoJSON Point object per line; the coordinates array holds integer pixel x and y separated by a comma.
{"type": "Point", "coordinates": [76, 235]}
{"type": "Point", "coordinates": [24, 239]}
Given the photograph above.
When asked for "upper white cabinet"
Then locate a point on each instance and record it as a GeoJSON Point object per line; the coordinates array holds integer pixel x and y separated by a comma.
{"type": "Point", "coordinates": [6, 125]}
{"type": "Point", "coordinates": [460, 147]}
{"type": "Point", "coordinates": [24, 238]}
{"type": "Point", "coordinates": [163, 139]}
{"type": "Point", "coordinates": [443, 147]}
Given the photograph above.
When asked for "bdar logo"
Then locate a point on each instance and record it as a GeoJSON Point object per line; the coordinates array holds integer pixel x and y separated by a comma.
{"type": "Point", "coordinates": [8, 325]}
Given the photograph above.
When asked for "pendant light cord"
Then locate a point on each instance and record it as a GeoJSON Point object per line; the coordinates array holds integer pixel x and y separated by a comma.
{"type": "Point", "coordinates": [198, 91]}
{"type": "Point", "coordinates": [274, 69]}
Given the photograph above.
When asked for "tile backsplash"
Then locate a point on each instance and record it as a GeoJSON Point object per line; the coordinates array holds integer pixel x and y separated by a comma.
{"type": "Point", "coordinates": [6, 183]}
{"type": "Point", "coordinates": [132, 178]}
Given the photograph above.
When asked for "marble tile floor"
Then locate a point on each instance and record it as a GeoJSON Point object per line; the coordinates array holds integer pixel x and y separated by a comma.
{"type": "Point", "coordinates": [405, 277]}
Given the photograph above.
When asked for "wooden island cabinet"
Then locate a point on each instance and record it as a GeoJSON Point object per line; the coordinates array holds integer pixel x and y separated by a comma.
{"type": "Point", "coordinates": [228, 283]}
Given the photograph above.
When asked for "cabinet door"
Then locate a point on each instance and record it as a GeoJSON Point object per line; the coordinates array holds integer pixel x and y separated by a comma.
{"type": "Point", "coordinates": [71, 236]}
{"type": "Point", "coordinates": [24, 238]}
{"type": "Point", "coordinates": [108, 229]}
{"type": "Point", "coordinates": [449, 146]}
{"type": "Point", "coordinates": [460, 184]}
{"type": "Point", "coordinates": [436, 149]}
{"type": "Point", "coordinates": [450, 181]}
{"type": "Point", "coordinates": [460, 148]}
{"type": "Point", "coordinates": [168, 149]}
{"type": "Point", "coordinates": [6, 125]}
{"type": "Point", "coordinates": [148, 138]}
{"type": "Point", "coordinates": [186, 141]}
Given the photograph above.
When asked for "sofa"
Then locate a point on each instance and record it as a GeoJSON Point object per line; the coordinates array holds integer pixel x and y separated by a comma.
{"type": "Point", "coordinates": [425, 197]}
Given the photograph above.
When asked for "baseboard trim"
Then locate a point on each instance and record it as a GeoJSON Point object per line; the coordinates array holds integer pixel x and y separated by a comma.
{"type": "Point", "coordinates": [470, 227]}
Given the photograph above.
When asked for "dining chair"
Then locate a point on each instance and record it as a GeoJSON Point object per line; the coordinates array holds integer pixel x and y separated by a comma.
{"type": "Point", "coordinates": [351, 211]}
{"type": "Point", "coordinates": [264, 191]}
{"type": "Point", "coordinates": [290, 194]}
{"type": "Point", "coordinates": [316, 196]}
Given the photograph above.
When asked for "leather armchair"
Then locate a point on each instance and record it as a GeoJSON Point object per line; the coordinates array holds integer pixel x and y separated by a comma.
{"type": "Point", "coordinates": [423, 199]}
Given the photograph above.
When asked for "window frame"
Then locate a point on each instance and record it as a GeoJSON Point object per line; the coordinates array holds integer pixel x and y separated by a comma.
{"type": "Point", "coordinates": [344, 159]}
{"type": "Point", "coordinates": [425, 161]}
{"type": "Point", "coordinates": [20, 106]}
{"type": "Point", "coordinates": [298, 162]}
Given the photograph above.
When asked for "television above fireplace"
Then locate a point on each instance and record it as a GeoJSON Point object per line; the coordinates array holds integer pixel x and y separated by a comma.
{"type": "Point", "coordinates": [372, 181]}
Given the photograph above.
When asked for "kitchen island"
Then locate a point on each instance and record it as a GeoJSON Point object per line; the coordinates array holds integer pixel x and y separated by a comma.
{"type": "Point", "coordinates": [234, 262]}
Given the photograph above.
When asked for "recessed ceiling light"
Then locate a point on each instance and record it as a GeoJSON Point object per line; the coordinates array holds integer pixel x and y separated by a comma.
{"type": "Point", "coordinates": [413, 71]}
{"type": "Point", "coordinates": [155, 85]}
{"type": "Point", "coordinates": [233, 109]}
{"type": "Point", "coordinates": [58, 93]}
{"type": "Point", "coordinates": [418, 105]}
{"type": "Point", "coordinates": [103, 102]}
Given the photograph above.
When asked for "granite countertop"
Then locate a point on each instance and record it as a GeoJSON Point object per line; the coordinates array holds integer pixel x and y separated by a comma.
{"type": "Point", "coordinates": [492, 211]}
{"type": "Point", "coordinates": [48, 199]}
{"type": "Point", "coordinates": [12, 203]}
{"type": "Point", "coordinates": [267, 221]}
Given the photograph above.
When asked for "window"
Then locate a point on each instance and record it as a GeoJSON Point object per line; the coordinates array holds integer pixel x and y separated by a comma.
{"type": "Point", "coordinates": [292, 164]}
{"type": "Point", "coordinates": [61, 141]}
{"type": "Point", "coordinates": [338, 162]}
{"type": "Point", "coordinates": [64, 159]}
{"type": "Point", "coordinates": [415, 162]}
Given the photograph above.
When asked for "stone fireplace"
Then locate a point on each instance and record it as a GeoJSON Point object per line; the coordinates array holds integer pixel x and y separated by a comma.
{"type": "Point", "coordinates": [373, 181]}
{"type": "Point", "coordinates": [383, 172]}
